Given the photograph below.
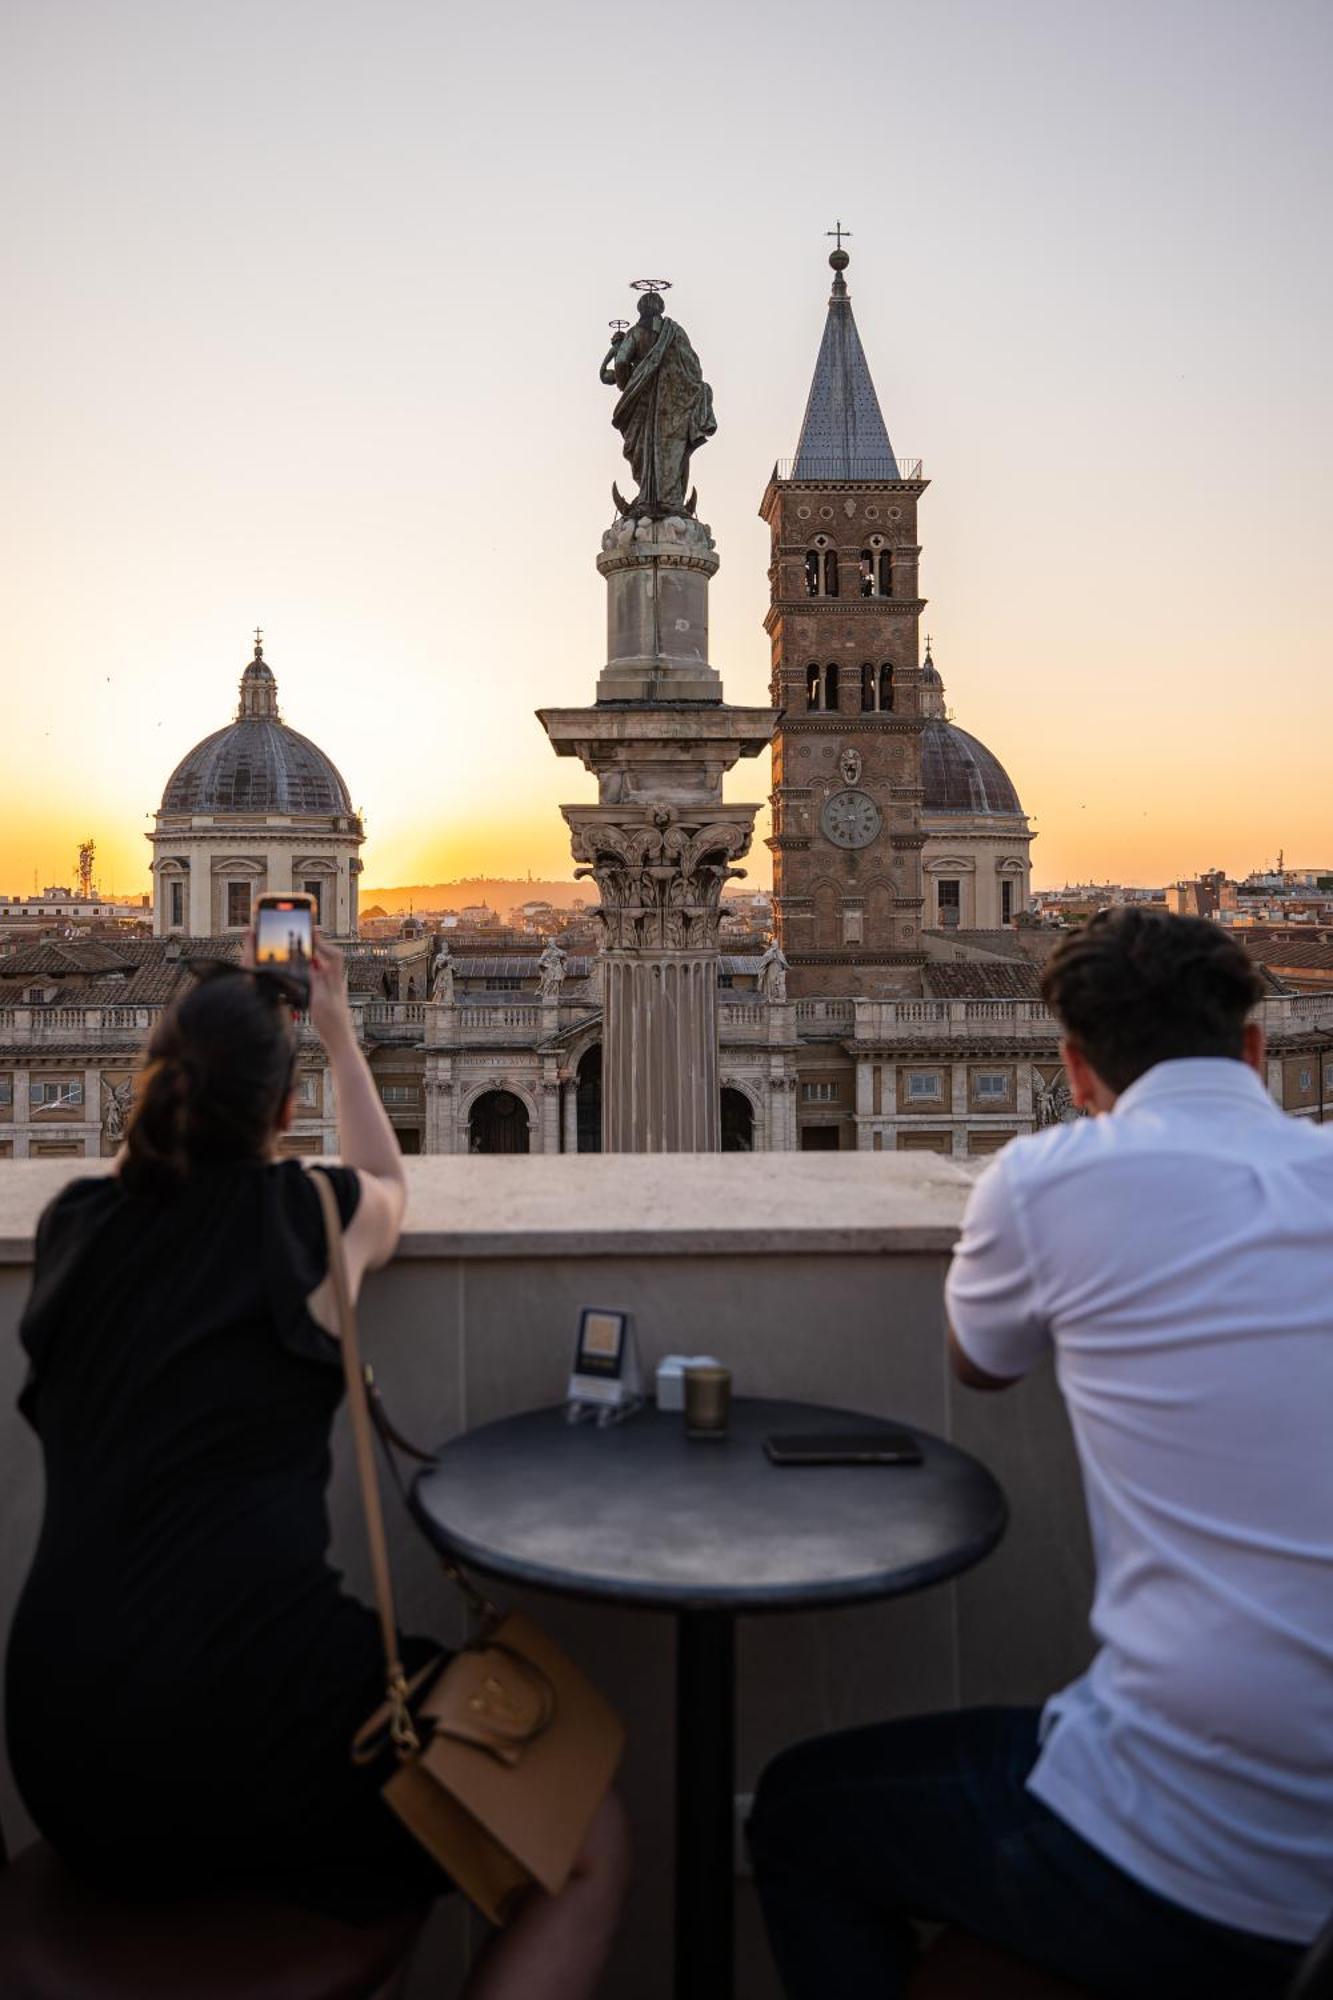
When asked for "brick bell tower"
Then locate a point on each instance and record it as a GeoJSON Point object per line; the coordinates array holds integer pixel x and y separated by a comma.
{"type": "Point", "coordinates": [844, 622]}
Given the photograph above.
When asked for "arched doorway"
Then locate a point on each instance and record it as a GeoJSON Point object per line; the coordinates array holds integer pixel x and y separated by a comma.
{"type": "Point", "coordinates": [737, 1122]}
{"type": "Point", "coordinates": [589, 1089]}
{"type": "Point", "coordinates": [498, 1123]}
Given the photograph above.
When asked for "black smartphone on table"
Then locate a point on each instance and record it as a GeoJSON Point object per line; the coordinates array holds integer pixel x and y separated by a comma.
{"type": "Point", "coordinates": [845, 1448]}
{"type": "Point", "coordinates": [285, 941]}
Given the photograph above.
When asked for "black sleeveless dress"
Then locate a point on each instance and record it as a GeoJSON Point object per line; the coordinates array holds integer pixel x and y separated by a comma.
{"type": "Point", "coordinates": [185, 1671]}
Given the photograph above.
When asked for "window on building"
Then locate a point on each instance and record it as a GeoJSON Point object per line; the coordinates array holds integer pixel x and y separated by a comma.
{"type": "Point", "coordinates": [949, 902]}
{"type": "Point", "coordinates": [853, 927]}
{"type": "Point", "coordinates": [506, 985]}
{"type": "Point", "coordinates": [925, 1086]}
{"type": "Point", "coordinates": [315, 890]}
{"type": "Point", "coordinates": [869, 691]}
{"type": "Point", "coordinates": [176, 901]}
{"type": "Point", "coordinates": [1307, 1079]}
{"type": "Point", "coordinates": [6, 1092]}
{"type": "Point", "coordinates": [55, 1093]}
{"type": "Point", "coordinates": [35, 996]}
{"type": "Point", "coordinates": [238, 905]}
{"type": "Point", "coordinates": [885, 688]}
{"type": "Point", "coordinates": [867, 573]}
{"type": "Point", "coordinates": [1006, 902]}
{"type": "Point", "coordinates": [726, 979]}
{"type": "Point", "coordinates": [307, 1090]}
{"type": "Point", "coordinates": [831, 687]}
{"type": "Point", "coordinates": [830, 572]}
{"type": "Point", "coordinates": [886, 573]}
{"type": "Point", "coordinates": [814, 688]}
{"type": "Point", "coordinates": [820, 1093]}
{"type": "Point", "coordinates": [987, 1142]}
{"type": "Point", "coordinates": [819, 1139]}
{"type": "Point", "coordinates": [397, 1093]}
{"type": "Point", "coordinates": [991, 1084]}
{"type": "Point", "coordinates": [812, 573]}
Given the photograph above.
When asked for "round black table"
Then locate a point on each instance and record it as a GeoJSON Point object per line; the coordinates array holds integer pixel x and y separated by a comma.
{"type": "Point", "coordinates": [642, 1515]}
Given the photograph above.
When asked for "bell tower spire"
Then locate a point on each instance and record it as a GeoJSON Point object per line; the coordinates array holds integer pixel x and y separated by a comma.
{"type": "Point", "coordinates": [843, 622]}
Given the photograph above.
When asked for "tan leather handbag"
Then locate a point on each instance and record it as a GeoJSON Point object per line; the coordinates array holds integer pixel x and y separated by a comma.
{"type": "Point", "coordinates": [504, 1760]}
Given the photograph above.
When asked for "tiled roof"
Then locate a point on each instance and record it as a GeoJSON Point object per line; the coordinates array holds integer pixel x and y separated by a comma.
{"type": "Point", "coordinates": [1299, 955]}
{"type": "Point", "coordinates": [517, 965]}
{"type": "Point", "coordinates": [995, 944]}
{"type": "Point", "coordinates": [982, 982]}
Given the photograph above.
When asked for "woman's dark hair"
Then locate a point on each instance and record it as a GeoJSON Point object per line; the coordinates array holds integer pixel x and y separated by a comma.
{"type": "Point", "coordinates": [216, 1073]}
{"type": "Point", "coordinates": [1138, 987]}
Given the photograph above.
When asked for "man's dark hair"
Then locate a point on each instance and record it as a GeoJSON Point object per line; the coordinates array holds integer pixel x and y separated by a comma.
{"type": "Point", "coordinates": [1137, 987]}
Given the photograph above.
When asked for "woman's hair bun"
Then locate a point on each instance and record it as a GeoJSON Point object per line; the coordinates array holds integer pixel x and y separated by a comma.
{"type": "Point", "coordinates": [216, 1074]}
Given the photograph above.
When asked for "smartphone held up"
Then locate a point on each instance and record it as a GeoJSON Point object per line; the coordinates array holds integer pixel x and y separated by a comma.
{"type": "Point", "coordinates": [285, 942]}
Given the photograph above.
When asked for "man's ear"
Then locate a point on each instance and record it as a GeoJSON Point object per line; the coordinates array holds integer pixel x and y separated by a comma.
{"type": "Point", "coordinates": [1254, 1048]}
{"type": "Point", "coordinates": [1086, 1087]}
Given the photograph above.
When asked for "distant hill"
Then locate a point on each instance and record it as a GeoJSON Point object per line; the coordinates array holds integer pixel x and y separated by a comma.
{"type": "Point", "coordinates": [501, 893]}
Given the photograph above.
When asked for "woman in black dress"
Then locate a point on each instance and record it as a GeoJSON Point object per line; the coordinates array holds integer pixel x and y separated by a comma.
{"type": "Point", "coordinates": [185, 1672]}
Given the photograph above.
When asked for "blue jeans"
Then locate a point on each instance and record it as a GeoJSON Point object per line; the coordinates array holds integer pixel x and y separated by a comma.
{"type": "Point", "coordinates": [855, 1835]}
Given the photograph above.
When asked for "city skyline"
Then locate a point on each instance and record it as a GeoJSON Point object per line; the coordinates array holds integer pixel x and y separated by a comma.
{"type": "Point", "coordinates": [306, 318]}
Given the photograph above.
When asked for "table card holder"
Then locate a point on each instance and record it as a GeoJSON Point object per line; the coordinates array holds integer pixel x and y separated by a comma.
{"type": "Point", "coordinates": [606, 1382]}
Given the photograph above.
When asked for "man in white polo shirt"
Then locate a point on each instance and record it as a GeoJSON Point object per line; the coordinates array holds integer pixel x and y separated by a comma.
{"type": "Point", "coordinates": [1164, 1826]}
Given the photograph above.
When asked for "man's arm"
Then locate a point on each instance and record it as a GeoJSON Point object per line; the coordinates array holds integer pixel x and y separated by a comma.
{"type": "Point", "coordinates": [969, 1374]}
{"type": "Point", "coordinates": [997, 1327]}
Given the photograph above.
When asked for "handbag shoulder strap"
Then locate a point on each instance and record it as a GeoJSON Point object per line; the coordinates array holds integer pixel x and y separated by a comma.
{"type": "Point", "coordinates": [401, 1728]}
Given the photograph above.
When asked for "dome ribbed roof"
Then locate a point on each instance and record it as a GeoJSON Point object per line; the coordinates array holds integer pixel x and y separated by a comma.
{"type": "Point", "coordinates": [960, 775]}
{"type": "Point", "coordinates": [256, 764]}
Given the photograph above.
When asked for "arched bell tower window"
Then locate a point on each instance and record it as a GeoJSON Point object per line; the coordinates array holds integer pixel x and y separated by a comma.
{"type": "Point", "coordinates": [886, 687]}
{"type": "Point", "coordinates": [869, 690]}
{"type": "Point", "coordinates": [867, 573]}
{"type": "Point", "coordinates": [821, 688]}
{"type": "Point", "coordinates": [886, 572]}
{"type": "Point", "coordinates": [830, 572]}
{"type": "Point", "coordinates": [812, 573]}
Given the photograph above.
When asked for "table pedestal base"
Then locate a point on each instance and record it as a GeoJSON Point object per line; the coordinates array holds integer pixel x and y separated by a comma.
{"type": "Point", "coordinates": [705, 1809]}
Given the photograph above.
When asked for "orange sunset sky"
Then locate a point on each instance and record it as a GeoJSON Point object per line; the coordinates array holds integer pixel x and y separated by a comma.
{"type": "Point", "coordinates": [305, 305]}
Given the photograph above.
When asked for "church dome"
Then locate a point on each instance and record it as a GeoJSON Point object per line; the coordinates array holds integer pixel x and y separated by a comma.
{"type": "Point", "coordinates": [257, 764]}
{"type": "Point", "coordinates": [960, 775]}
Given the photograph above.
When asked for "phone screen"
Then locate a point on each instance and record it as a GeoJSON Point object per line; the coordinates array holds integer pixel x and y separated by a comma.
{"type": "Point", "coordinates": [284, 935]}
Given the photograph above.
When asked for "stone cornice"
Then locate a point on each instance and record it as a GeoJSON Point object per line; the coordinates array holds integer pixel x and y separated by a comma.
{"type": "Point", "coordinates": [825, 723]}
{"type": "Point", "coordinates": [855, 958]}
{"type": "Point", "coordinates": [832, 607]}
{"type": "Point", "coordinates": [776, 488]}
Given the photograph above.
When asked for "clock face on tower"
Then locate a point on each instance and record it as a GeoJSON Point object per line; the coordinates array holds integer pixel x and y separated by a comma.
{"type": "Point", "coordinates": [851, 819]}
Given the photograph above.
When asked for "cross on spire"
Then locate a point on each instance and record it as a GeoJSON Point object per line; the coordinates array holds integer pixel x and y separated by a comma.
{"type": "Point", "coordinates": [838, 231]}
{"type": "Point", "coordinates": [259, 643]}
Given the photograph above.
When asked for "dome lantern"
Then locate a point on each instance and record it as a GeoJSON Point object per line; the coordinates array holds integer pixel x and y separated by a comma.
{"type": "Point", "coordinates": [259, 689]}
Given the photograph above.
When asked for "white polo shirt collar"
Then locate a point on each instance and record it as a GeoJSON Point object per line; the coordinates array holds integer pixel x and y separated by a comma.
{"type": "Point", "coordinates": [1195, 1076]}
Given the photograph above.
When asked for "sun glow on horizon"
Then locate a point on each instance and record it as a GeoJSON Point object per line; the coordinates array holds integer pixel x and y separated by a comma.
{"type": "Point", "coordinates": [304, 325]}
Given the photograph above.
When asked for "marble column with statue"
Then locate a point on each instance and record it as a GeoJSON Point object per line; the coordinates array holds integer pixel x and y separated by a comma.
{"type": "Point", "coordinates": [659, 842]}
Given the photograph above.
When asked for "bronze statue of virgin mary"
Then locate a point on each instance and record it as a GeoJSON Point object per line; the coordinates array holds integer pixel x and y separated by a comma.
{"type": "Point", "coordinates": [665, 410]}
